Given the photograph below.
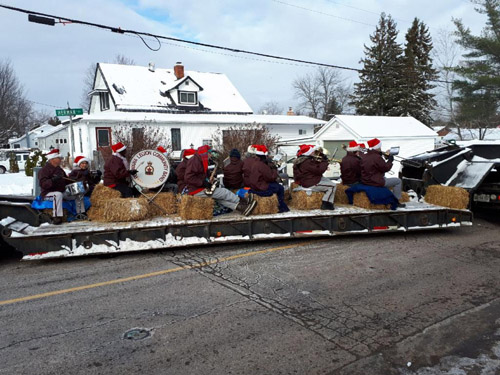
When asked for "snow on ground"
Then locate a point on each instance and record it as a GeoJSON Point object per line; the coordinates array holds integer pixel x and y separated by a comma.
{"type": "Point", "coordinates": [15, 184]}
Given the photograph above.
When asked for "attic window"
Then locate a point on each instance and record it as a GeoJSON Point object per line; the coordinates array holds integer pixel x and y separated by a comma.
{"type": "Point", "coordinates": [188, 98]}
{"type": "Point", "coordinates": [104, 98]}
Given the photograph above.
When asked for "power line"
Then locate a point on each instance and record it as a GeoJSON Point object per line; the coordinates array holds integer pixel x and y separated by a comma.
{"type": "Point", "coordinates": [364, 10]}
{"type": "Point", "coordinates": [43, 104]}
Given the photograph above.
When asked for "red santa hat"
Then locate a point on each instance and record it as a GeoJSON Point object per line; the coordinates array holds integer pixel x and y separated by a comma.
{"type": "Point", "coordinates": [352, 147]}
{"type": "Point", "coordinates": [118, 147]}
{"type": "Point", "coordinates": [188, 153]}
{"type": "Point", "coordinates": [306, 150]}
{"type": "Point", "coordinates": [161, 149]}
{"type": "Point", "coordinates": [361, 146]}
{"type": "Point", "coordinates": [374, 144]}
{"type": "Point", "coordinates": [251, 149]}
{"type": "Point", "coordinates": [260, 150]}
{"type": "Point", "coordinates": [52, 154]}
{"type": "Point", "coordinates": [80, 159]}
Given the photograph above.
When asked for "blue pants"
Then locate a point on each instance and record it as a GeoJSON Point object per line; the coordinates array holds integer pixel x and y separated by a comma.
{"type": "Point", "coordinates": [274, 188]}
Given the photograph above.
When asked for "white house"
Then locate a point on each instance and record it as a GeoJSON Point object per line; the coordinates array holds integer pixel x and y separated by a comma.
{"type": "Point", "coordinates": [189, 106]}
{"type": "Point", "coordinates": [412, 136]}
{"type": "Point", "coordinates": [29, 142]}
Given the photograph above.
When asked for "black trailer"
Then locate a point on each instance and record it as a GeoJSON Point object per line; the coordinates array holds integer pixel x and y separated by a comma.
{"type": "Point", "coordinates": [474, 166]}
{"type": "Point", "coordinates": [28, 231]}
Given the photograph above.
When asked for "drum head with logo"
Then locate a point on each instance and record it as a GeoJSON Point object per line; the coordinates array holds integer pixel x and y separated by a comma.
{"type": "Point", "coordinates": [152, 168]}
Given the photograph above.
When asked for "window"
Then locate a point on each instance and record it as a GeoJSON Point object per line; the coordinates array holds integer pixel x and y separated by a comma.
{"type": "Point", "coordinates": [103, 136]}
{"type": "Point", "coordinates": [137, 133]}
{"type": "Point", "coordinates": [36, 143]}
{"type": "Point", "coordinates": [81, 141]}
{"type": "Point", "coordinates": [302, 131]}
{"type": "Point", "coordinates": [17, 145]}
{"type": "Point", "coordinates": [18, 157]}
{"type": "Point", "coordinates": [25, 157]}
{"type": "Point", "coordinates": [57, 140]}
{"type": "Point", "coordinates": [187, 98]}
{"type": "Point", "coordinates": [207, 142]}
{"type": "Point", "coordinates": [65, 140]}
{"type": "Point", "coordinates": [104, 98]}
{"type": "Point", "coordinates": [175, 135]}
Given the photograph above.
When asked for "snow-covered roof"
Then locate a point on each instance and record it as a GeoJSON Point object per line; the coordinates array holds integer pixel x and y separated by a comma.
{"type": "Point", "coordinates": [185, 118]}
{"type": "Point", "coordinates": [492, 134]}
{"type": "Point", "coordinates": [52, 131]}
{"type": "Point", "coordinates": [41, 129]}
{"type": "Point", "coordinates": [137, 88]}
{"type": "Point", "coordinates": [365, 127]}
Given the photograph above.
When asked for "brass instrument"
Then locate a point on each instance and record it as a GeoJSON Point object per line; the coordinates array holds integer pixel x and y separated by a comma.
{"type": "Point", "coordinates": [209, 191]}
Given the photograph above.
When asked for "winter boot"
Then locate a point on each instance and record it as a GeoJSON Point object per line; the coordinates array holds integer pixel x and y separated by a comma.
{"type": "Point", "coordinates": [245, 208]}
{"type": "Point", "coordinates": [327, 206]}
{"type": "Point", "coordinates": [57, 221]}
{"type": "Point", "coordinates": [401, 205]}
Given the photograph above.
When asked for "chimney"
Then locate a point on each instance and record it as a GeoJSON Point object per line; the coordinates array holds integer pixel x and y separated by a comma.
{"type": "Point", "coordinates": [179, 70]}
{"type": "Point", "coordinates": [151, 67]}
{"type": "Point", "coordinates": [290, 112]}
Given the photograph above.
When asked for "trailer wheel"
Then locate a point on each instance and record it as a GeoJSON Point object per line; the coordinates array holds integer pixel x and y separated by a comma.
{"type": "Point", "coordinates": [2, 169]}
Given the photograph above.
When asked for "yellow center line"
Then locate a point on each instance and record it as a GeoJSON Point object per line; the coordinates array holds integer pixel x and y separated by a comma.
{"type": "Point", "coordinates": [151, 274]}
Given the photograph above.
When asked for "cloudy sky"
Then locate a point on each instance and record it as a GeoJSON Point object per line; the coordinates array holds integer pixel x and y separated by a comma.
{"type": "Point", "coordinates": [51, 61]}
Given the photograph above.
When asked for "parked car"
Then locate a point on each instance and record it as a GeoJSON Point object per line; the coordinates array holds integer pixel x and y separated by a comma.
{"type": "Point", "coordinates": [21, 157]}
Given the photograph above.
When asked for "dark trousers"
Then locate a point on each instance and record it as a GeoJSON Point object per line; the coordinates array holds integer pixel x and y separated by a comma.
{"type": "Point", "coordinates": [274, 188]}
{"type": "Point", "coordinates": [127, 191]}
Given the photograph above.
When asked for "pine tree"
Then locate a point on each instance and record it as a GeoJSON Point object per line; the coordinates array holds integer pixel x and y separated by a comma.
{"type": "Point", "coordinates": [379, 91]}
{"type": "Point", "coordinates": [417, 100]}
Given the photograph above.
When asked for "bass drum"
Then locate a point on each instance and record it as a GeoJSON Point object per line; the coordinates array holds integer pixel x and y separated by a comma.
{"type": "Point", "coordinates": [152, 168]}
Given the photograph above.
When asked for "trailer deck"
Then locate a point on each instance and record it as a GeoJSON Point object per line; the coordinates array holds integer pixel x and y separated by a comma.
{"type": "Point", "coordinates": [89, 238]}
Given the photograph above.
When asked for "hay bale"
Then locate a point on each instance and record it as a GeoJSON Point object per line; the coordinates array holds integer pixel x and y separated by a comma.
{"type": "Point", "coordinates": [266, 205]}
{"type": "Point", "coordinates": [447, 196]}
{"type": "Point", "coordinates": [196, 208]}
{"type": "Point", "coordinates": [302, 201]}
{"type": "Point", "coordinates": [340, 195]}
{"type": "Point", "coordinates": [95, 214]}
{"type": "Point", "coordinates": [121, 209]}
{"type": "Point", "coordinates": [103, 194]}
{"type": "Point", "coordinates": [405, 197]}
{"type": "Point", "coordinates": [361, 200]}
{"type": "Point", "coordinates": [167, 201]}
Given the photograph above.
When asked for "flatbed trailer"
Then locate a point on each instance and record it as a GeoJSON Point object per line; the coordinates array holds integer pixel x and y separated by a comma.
{"type": "Point", "coordinates": [23, 228]}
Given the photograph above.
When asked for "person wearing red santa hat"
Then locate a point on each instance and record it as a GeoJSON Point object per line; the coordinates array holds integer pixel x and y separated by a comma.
{"type": "Point", "coordinates": [81, 172]}
{"type": "Point", "coordinates": [180, 171]}
{"type": "Point", "coordinates": [197, 181]}
{"type": "Point", "coordinates": [374, 167]}
{"type": "Point", "coordinates": [116, 171]}
{"type": "Point", "coordinates": [248, 162]}
{"type": "Point", "coordinates": [263, 176]}
{"type": "Point", "coordinates": [308, 171]}
{"type": "Point", "coordinates": [53, 181]}
{"type": "Point", "coordinates": [350, 166]}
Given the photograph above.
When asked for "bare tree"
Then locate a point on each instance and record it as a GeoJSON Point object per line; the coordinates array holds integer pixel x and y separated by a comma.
{"type": "Point", "coordinates": [271, 108]}
{"type": "Point", "coordinates": [88, 79]}
{"type": "Point", "coordinates": [240, 137]}
{"type": "Point", "coordinates": [323, 93]}
{"type": "Point", "coordinates": [138, 137]}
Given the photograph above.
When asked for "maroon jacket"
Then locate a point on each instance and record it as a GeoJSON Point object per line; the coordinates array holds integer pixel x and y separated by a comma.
{"type": "Point", "coordinates": [180, 171]}
{"type": "Point", "coordinates": [115, 172]}
{"type": "Point", "coordinates": [45, 179]}
{"type": "Point", "coordinates": [78, 174]}
{"type": "Point", "coordinates": [247, 168]}
{"type": "Point", "coordinates": [261, 175]}
{"type": "Point", "coordinates": [350, 169]}
{"type": "Point", "coordinates": [308, 172]}
{"type": "Point", "coordinates": [373, 168]}
{"type": "Point", "coordinates": [233, 174]}
{"type": "Point", "coordinates": [195, 175]}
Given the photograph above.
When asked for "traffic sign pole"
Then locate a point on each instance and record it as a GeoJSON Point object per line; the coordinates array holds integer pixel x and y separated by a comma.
{"type": "Point", "coordinates": [70, 112]}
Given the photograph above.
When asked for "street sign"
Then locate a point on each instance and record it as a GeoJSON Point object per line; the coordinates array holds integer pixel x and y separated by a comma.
{"type": "Point", "coordinates": [69, 112]}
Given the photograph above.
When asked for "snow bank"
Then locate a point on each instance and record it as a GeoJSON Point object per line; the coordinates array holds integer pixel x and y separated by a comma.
{"type": "Point", "coordinates": [16, 184]}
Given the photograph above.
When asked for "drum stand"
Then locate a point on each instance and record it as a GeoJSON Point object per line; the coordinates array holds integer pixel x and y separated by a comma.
{"type": "Point", "coordinates": [152, 198]}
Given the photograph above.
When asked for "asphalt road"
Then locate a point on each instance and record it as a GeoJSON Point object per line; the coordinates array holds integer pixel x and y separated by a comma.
{"type": "Point", "coordinates": [420, 303]}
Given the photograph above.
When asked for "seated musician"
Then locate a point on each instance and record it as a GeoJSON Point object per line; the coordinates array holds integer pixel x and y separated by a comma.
{"type": "Point", "coordinates": [246, 167]}
{"type": "Point", "coordinates": [233, 172]}
{"type": "Point", "coordinates": [82, 173]}
{"type": "Point", "coordinates": [263, 176]}
{"type": "Point", "coordinates": [53, 181]}
{"type": "Point", "coordinates": [198, 184]}
{"type": "Point", "coordinates": [350, 166]}
{"type": "Point", "coordinates": [116, 171]}
{"type": "Point", "coordinates": [308, 171]}
{"type": "Point", "coordinates": [374, 167]}
{"type": "Point", "coordinates": [180, 171]}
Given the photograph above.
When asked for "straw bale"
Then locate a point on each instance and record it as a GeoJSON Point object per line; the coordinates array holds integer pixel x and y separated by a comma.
{"type": "Point", "coordinates": [167, 201]}
{"type": "Point", "coordinates": [340, 195]}
{"type": "Point", "coordinates": [361, 200]}
{"type": "Point", "coordinates": [447, 196]}
{"type": "Point", "coordinates": [266, 205]}
{"type": "Point", "coordinates": [196, 208]}
{"type": "Point", "coordinates": [95, 214]}
{"type": "Point", "coordinates": [405, 197]}
{"type": "Point", "coordinates": [122, 209]}
{"type": "Point", "coordinates": [302, 201]}
{"type": "Point", "coordinates": [103, 194]}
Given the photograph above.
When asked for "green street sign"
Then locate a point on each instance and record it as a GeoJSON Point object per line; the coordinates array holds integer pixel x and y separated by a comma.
{"type": "Point", "coordinates": [69, 112]}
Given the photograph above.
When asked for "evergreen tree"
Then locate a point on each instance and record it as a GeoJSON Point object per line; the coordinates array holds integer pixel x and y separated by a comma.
{"type": "Point", "coordinates": [379, 91]}
{"type": "Point", "coordinates": [417, 100]}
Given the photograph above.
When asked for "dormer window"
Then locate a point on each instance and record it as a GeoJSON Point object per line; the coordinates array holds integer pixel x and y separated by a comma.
{"type": "Point", "coordinates": [189, 98]}
{"type": "Point", "coordinates": [104, 98]}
